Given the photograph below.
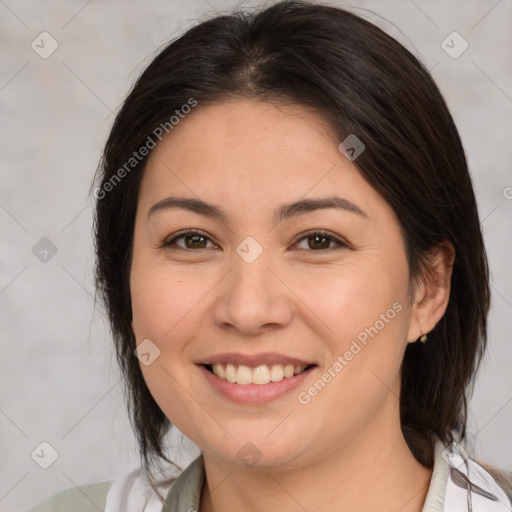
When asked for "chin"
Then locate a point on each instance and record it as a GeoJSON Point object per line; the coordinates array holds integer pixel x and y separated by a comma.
{"type": "Point", "coordinates": [256, 451]}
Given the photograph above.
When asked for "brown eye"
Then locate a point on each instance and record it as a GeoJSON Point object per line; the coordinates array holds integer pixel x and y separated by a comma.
{"type": "Point", "coordinates": [320, 241]}
{"type": "Point", "coordinates": [192, 240]}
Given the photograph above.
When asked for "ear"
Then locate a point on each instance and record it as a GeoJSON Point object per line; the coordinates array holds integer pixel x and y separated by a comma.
{"type": "Point", "coordinates": [432, 293]}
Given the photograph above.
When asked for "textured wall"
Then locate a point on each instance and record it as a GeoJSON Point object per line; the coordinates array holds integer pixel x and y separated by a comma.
{"type": "Point", "coordinates": [58, 379]}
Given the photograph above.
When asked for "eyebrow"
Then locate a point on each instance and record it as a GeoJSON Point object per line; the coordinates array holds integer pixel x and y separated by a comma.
{"type": "Point", "coordinates": [284, 212]}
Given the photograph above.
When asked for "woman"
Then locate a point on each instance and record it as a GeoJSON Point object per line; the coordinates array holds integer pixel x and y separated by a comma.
{"type": "Point", "coordinates": [289, 250]}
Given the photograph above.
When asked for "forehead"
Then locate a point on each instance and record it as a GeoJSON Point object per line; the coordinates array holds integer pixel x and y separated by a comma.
{"type": "Point", "coordinates": [249, 153]}
{"type": "Point", "coordinates": [245, 130]}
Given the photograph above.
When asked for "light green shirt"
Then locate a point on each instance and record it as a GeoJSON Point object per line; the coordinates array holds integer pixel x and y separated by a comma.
{"type": "Point", "coordinates": [88, 498]}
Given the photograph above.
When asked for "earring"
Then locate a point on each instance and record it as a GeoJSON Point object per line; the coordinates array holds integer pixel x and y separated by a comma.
{"type": "Point", "coordinates": [423, 338]}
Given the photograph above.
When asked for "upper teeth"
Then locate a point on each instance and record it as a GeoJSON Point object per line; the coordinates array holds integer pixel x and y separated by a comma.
{"type": "Point", "coordinates": [262, 374]}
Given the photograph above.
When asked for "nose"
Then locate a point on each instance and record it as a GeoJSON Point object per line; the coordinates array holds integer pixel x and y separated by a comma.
{"type": "Point", "coordinates": [252, 298]}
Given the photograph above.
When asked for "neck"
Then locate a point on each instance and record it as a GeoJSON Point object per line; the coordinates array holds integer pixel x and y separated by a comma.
{"type": "Point", "coordinates": [372, 470]}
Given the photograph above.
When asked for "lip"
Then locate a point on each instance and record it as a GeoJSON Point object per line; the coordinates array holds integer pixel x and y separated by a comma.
{"type": "Point", "coordinates": [254, 360]}
{"type": "Point", "coordinates": [255, 393]}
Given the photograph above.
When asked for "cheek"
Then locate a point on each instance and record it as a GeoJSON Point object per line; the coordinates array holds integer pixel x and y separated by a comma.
{"type": "Point", "coordinates": [364, 314]}
{"type": "Point", "coordinates": [162, 300]}
{"type": "Point", "coordinates": [163, 307]}
{"type": "Point", "coordinates": [361, 312]}
{"type": "Point", "coordinates": [346, 299]}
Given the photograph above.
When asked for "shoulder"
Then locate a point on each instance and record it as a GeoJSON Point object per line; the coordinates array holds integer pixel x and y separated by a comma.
{"type": "Point", "coordinates": [87, 498]}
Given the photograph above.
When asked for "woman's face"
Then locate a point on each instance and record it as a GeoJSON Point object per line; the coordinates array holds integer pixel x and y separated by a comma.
{"type": "Point", "coordinates": [255, 283]}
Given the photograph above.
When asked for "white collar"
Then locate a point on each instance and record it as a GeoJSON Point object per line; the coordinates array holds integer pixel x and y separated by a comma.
{"type": "Point", "coordinates": [131, 493]}
{"type": "Point", "coordinates": [481, 493]}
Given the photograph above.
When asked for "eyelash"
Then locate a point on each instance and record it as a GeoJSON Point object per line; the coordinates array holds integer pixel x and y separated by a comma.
{"type": "Point", "coordinates": [309, 234]}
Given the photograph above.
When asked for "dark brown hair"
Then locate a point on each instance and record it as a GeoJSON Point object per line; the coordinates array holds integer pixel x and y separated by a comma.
{"type": "Point", "coordinates": [364, 83]}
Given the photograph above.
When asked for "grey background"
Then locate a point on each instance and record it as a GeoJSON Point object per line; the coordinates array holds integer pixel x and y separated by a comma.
{"type": "Point", "coordinates": [58, 378]}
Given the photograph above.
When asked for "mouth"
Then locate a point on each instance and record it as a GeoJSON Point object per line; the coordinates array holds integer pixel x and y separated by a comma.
{"type": "Point", "coordinates": [255, 378]}
{"type": "Point", "coordinates": [256, 385]}
{"type": "Point", "coordinates": [259, 375]}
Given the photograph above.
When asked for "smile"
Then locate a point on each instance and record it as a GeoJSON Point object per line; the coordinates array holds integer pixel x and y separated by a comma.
{"type": "Point", "coordinates": [256, 385]}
